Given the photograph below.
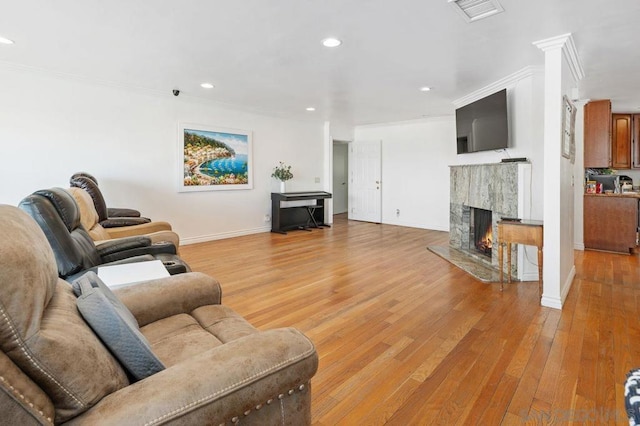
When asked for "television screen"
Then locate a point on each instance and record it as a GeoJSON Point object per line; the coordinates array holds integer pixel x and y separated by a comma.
{"type": "Point", "coordinates": [482, 125]}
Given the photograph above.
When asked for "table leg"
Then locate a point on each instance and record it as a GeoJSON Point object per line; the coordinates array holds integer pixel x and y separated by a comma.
{"type": "Point", "coordinates": [509, 263]}
{"type": "Point", "coordinates": [540, 272]}
{"type": "Point", "coordinates": [500, 266]}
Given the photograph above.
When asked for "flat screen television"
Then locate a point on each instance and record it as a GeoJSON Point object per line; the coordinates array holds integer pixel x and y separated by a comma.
{"type": "Point", "coordinates": [482, 125]}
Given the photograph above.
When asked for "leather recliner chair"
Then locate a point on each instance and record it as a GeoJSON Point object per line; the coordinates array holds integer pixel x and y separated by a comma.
{"type": "Point", "coordinates": [111, 211]}
{"type": "Point", "coordinates": [89, 220]}
{"type": "Point", "coordinates": [117, 227]}
{"type": "Point", "coordinates": [56, 212]}
{"type": "Point", "coordinates": [217, 368]}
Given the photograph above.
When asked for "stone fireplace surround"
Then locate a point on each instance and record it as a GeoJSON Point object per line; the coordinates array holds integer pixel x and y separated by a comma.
{"type": "Point", "coordinates": [502, 188]}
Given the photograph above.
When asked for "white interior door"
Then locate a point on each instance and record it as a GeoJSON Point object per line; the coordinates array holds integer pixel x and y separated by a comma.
{"type": "Point", "coordinates": [365, 183]}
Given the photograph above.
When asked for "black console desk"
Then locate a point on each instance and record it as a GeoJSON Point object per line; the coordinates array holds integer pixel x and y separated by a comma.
{"type": "Point", "coordinates": [298, 217]}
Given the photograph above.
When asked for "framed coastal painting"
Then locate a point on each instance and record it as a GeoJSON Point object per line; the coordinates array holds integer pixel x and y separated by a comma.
{"type": "Point", "coordinates": [213, 158]}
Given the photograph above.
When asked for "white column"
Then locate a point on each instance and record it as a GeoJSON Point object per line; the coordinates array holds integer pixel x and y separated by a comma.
{"type": "Point", "coordinates": [559, 268]}
{"type": "Point", "coordinates": [327, 178]}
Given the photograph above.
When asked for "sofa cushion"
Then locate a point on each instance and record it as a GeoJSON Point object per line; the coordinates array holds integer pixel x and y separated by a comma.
{"type": "Point", "coordinates": [41, 330]}
{"type": "Point", "coordinates": [116, 326]}
{"type": "Point", "coordinates": [88, 214]}
{"type": "Point", "coordinates": [92, 189]}
{"type": "Point", "coordinates": [179, 337]}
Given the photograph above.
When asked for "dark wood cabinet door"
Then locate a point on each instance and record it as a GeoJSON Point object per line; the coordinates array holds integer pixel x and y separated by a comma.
{"type": "Point", "coordinates": [621, 141]}
{"type": "Point", "coordinates": [597, 134]}
{"type": "Point", "coordinates": [635, 141]}
{"type": "Point", "coordinates": [610, 222]}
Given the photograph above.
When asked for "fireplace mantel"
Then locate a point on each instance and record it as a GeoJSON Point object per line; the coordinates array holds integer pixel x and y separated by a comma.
{"type": "Point", "coordinates": [503, 188]}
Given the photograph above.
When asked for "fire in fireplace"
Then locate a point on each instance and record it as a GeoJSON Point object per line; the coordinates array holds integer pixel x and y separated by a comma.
{"type": "Point", "coordinates": [482, 228]}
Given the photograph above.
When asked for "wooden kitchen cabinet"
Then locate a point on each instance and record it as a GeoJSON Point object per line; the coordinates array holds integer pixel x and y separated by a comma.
{"type": "Point", "coordinates": [597, 134]}
{"type": "Point", "coordinates": [621, 141]}
{"type": "Point", "coordinates": [625, 134]}
{"type": "Point", "coordinates": [635, 141]}
{"type": "Point", "coordinates": [610, 222]}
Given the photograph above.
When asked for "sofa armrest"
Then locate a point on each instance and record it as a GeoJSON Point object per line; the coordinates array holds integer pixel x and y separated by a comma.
{"type": "Point", "coordinates": [133, 259]}
{"type": "Point", "coordinates": [251, 376]}
{"type": "Point", "coordinates": [152, 249]}
{"type": "Point", "coordinates": [116, 222]}
{"type": "Point", "coordinates": [153, 300]}
{"type": "Point", "coordinates": [147, 228]}
{"type": "Point", "coordinates": [155, 237]}
{"type": "Point", "coordinates": [114, 246]}
{"type": "Point", "coordinates": [122, 212]}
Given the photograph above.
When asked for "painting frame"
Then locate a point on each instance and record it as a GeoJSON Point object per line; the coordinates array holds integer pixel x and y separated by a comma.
{"type": "Point", "coordinates": [212, 158]}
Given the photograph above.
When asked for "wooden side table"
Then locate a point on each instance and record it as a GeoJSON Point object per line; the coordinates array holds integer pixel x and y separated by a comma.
{"type": "Point", "coordinates": [527, 232]}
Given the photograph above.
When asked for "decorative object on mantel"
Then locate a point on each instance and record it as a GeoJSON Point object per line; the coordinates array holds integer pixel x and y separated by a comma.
{"type": "Point", "coordinates": [282, 172]}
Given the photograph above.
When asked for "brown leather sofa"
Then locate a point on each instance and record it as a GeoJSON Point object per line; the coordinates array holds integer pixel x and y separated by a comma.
{"type": "Point", "coordinates": [218, 369]}
{"type": "Point", "coordinates": [57, 214]}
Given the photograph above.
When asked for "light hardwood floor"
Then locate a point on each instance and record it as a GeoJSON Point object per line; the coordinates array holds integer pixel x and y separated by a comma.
{"type": "Point", "coordinates": [406, 338]}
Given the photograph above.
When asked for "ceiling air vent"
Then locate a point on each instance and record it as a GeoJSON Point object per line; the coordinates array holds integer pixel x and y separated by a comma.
{"type": "Point", "coordinates": [473, 10]}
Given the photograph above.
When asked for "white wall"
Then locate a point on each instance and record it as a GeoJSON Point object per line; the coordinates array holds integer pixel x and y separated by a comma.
{"type": "Point", "coordinates": [525, 102]}
{"type": "Point", "coordinates": [415, 170]}
{"type": "Point", "coordinates": [52, 126]}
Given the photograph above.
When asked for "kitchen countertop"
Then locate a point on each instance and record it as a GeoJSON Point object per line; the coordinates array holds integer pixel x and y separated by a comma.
{"type": "Point", "coordinates": [623, 195]}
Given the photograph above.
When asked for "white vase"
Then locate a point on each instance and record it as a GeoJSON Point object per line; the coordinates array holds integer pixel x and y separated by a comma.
{"type": "Point", "coordinates": [283, 187]}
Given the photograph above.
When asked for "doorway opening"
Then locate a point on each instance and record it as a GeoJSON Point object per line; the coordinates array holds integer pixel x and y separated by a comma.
{"type": "Point", "coordinates": [340, 177]}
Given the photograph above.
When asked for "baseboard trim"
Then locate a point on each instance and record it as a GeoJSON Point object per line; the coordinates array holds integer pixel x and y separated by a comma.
{"type": "Point", "coordinates": [529, 276]}
{"type": "Point", "coordinates": [223, 235]}
{"type": "Point", "coordinates": [555, 302]}
{"type": "Point", "coordinates": [415, 225]}
{"type": "Point", "coordinates": [568, 283]}
{"type": "Point", "coordinates": [551, 302]}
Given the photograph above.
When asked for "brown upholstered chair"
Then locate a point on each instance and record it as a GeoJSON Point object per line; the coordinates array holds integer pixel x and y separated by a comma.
{"type": "Point", "coordinates": [114, 220]}
{"type": "Point", "coordinates": [89, 220]}
{"type": "Point", "coordinates": [111, 211]}
{"type": "Point", "coordinates": [217, 368]}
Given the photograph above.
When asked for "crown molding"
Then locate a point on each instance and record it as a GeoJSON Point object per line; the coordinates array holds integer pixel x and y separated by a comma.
{"type": "Point", "coordinates": [569, 51]}
{"type": "Point", "coordinates": [507, 82]}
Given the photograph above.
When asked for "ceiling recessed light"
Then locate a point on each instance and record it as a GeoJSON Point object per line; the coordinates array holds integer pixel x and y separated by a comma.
{"type": "Point", "coordinates": [5, 40]}
{"type": "Point", "coordinates": [331, 42]}
{"type": "Point", "coordinates": [311, 109]}
{"type": "Point", "coordinates": [425, 89]}
{"type": "Point", "coordinates": [207, 85]}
